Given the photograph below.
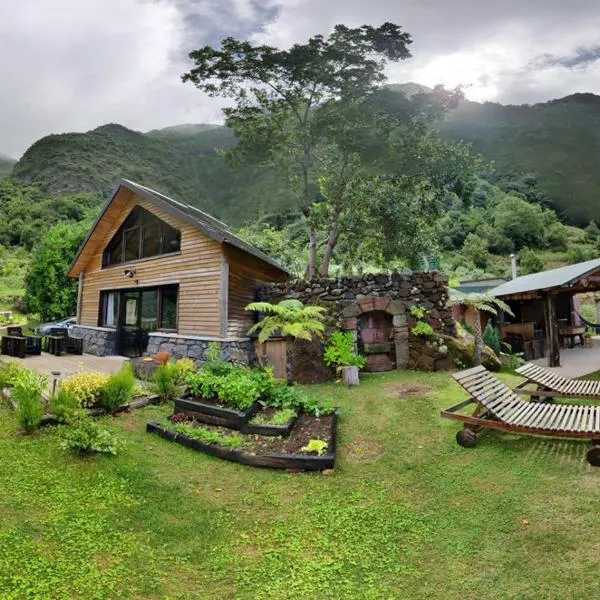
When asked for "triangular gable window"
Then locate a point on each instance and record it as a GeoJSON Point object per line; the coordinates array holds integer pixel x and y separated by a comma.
{"type": "Point", "coordinates": [142, 235]}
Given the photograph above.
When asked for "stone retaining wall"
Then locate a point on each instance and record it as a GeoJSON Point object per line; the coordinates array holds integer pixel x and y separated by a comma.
{"type": "Point", "coordinates": [100, 341]}
{"type": "Point", "coordinates": [347, 298]}
{"type": "Point", "coordinates": [239, 351]}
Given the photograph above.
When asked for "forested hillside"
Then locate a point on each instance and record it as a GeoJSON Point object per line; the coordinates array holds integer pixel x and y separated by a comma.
{"type": "Point", "coordinates": [6, 165]}
{"type": "Point", "coordinates": [559, 141]}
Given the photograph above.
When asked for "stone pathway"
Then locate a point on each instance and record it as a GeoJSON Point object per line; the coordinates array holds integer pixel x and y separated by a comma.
{"type": "Point", "coordinates": [576, 362]}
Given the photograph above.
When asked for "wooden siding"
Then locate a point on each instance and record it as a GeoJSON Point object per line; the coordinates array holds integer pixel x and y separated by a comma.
{"type": "Point", "coordinates": [196, 268]}
{"type": "Point", "coordinates": [245, 277]}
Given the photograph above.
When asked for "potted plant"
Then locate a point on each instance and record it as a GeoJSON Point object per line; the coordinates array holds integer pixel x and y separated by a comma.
{"type": "Point", "coordinates": [588, 340]}
{"type": "Point", "coordinates": [340, 353]}
{"type": "Point", "coordinates": [280, 322]}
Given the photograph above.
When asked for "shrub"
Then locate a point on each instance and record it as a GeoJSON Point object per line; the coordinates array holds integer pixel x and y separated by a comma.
{"type": "Point", "coordinates": [8, 373]}
{"type": "Point", "coordinates": [85, 436]}
{"type": "Point", "coordinates": [491, 337]}
{"type": "Point", "coordinates": [184, 366]}
{"type": "Point", "coordinates": [164, 379]}
{"type": "Point", "coordinates": [86, 387]}
{"type": "Point", "coordinates": [238, 390]}
{"type": "Point", "coordinates": [64, 405]}
{"type": "Point", "coordinates": [214, 360]}
{"type": "Point", "coordinates": [287, 397]}
{"type": "Point", "coordinates": [339, 352]}
{"type": "Point", "coordinates": [422, 328]}
{"type": "Point", "coordinates": [118, 390]}
{"type": "Point", "coordinates": [27, 393]}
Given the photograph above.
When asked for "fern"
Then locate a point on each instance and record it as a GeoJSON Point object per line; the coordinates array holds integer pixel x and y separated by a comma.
{"type": "Point", "coordinates": [288, 318]}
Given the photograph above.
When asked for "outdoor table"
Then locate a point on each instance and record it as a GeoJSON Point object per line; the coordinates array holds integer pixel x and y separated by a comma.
{"type": "Point", "coordinates": [568, 336]}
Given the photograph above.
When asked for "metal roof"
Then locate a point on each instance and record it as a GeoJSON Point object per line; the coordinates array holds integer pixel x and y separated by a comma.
{"type": "Point", "coordinates": [547, 279]}
{"type": "Point", "coordinates": [213, 228]}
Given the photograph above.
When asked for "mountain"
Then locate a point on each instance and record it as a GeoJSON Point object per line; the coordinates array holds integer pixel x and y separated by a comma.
{"type": "Point", "coordinates": [182, 161]}
{"type": "Point", "coordinates": [558, 141]}
{"type": "Point", "coordinates": [6, 165]}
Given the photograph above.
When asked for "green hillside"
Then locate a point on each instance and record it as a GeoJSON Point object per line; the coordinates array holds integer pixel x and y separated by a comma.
{"type": "Point", "coordinates": [6, 165]}
{"type": "Point", "coordinates": [182, 161]}
{"type": "Point", "coordinates": [559, 141]}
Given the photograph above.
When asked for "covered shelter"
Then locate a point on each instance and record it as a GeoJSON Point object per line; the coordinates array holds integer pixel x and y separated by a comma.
{"type": "Point", "coordinates": [545, 306]}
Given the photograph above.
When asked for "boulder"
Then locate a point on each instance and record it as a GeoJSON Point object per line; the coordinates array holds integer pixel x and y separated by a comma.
{"type": "Point", "coordinates": [463, 349]}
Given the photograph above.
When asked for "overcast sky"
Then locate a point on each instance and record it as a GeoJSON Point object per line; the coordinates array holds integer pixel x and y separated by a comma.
{"type": "Point", "coordinates": [71, 65]}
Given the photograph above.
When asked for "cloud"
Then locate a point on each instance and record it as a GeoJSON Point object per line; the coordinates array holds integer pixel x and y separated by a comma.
{"type": "Point", "coordinates": [85, 63]}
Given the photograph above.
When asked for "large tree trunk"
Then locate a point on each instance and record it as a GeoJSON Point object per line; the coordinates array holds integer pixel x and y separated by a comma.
{"type": "Point", "coordinates": [311, 268]}
{"type": "Point", "coordinates": [332, 239]}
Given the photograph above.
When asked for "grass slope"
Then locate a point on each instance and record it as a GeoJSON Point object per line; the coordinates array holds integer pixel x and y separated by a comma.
{"type": "Point", "coordinates": [407, 514]}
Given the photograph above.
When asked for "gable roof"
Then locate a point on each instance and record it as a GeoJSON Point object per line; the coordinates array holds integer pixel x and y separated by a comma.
{"type": "Point", "coordinates": [547, 279]}
{"type": "Point", "coordinates": [211, 227]}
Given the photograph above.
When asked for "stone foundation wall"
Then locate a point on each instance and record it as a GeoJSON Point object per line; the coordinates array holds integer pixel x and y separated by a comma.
{"type": "Point", "coordinates": [100, 341]}
{"type": "Point", "coordinates": [347, 298]}
{"type": "Point", "coordinates": [239, 351]}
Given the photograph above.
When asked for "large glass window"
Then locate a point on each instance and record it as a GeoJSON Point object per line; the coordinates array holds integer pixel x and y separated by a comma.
{"type": "Point", "coordinates": [142, 235]}
{"type": "Point", "coordinates": [168, 312]}
{"type": "Point", "coordinates": [110, 309]}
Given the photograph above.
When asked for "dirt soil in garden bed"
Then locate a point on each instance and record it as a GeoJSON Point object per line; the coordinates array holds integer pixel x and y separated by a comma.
{"type": "Point", "coordinates": [307, 428]}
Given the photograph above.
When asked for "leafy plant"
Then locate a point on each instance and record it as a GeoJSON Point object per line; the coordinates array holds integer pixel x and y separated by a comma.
{"type": "Point", "coordinates": [239, 388]}
{"type": "Point", "coordinates": [8, 372]}
{"type": "Point", "coordinates": [28, 386]}
{"type": "Point", "coordinates": [180, 418]}
{"type": "Point", "coordinates": [284, 396]}
{"type": "Point", "coordinates": [184, 366]}
{"type": "Point", "coordinates": [118, 390]}
{"type": "Point", "coordinates": [214, 360]}
{"type": "Point", "coordinates": [165, 381]}
{"type": "Point", "coordinates": [86, 387]}
{"type": "Point", "coordinates": [318, 447]}
{"type": "Point", "coordinates": [422, 328]}
{"type": "Point", "coordinates": [84, 436]}
{"type": "Point", "coordinates": [418, 312]}
{"type": "Point", "coordinates": [288, 318]}
{"type": "Point", "coordinates": [491, 337]}
{"type": "Point", "coordinates": [64, 405]}
{"type": "Point", "coordinates": [208, 436]}
{"type": "Point", "coordinates": [281, 417]}
{"type": "Point", "coordinates": [339, 351]}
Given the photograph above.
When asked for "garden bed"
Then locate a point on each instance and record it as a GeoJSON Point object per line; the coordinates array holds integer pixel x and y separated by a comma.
{"type": "Point", "coordinates": [269, 429]}
{"type": "Point", "coordinates": [263, 451]}
{"type": "Point", "coordinates": [210, 411]}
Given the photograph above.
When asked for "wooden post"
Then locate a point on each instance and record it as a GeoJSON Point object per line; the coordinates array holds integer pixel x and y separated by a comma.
{"type": "Point", "coordinates": [79, 298]}
{"type": "Point", "coordinates": [224, 297]}
{"type": "Point", "coordinates": [552, 334]}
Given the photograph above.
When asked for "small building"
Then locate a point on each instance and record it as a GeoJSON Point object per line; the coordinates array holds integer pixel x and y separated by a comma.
{"type": "Point", "coordinates": [159, 275]}
{"type": "Point", "coordinates": [461, 312]}
{"type": "Point", "coordinates": [546, 309]}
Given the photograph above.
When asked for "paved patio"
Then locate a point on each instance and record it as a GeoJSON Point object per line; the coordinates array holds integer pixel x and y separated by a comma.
{"type": "Point", "coordinates": [70, 364]}
{"type": "Point", "coordinates": [576, 362]}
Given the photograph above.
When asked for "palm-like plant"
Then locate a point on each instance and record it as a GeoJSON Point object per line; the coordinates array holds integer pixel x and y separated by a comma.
{"type": "Point", "coordinates": [480, 302]}
{"type": "Point", "coordinates": [289, 318]}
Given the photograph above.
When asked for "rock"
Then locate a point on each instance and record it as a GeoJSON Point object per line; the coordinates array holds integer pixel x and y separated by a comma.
{"type": "Point", "coordinates": [464, 351]}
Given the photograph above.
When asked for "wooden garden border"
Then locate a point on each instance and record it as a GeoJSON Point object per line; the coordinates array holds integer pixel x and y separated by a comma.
{"type": "Point", "coordinates": [216, 415]}
{"type": "Point", "coordinates": [292, 462]}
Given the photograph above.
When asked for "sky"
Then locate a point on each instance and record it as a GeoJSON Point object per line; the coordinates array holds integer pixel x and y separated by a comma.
{"type": "Point", "coordinates": [72, 65]}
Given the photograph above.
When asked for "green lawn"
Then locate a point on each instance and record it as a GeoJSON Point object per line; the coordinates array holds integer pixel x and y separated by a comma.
{"type": "Point", "coordinates": [407, 514]}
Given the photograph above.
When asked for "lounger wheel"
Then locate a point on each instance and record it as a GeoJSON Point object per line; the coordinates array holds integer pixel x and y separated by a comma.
{"type": "Point", "coordinates": [593, 455]}
{"type": "Point", "coordinates": [467, 438]}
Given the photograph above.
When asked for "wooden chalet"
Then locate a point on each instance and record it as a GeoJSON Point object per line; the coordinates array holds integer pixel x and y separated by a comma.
{"type": "Point", "coordinates": [546, 309]}
{"type": "Point", "coordinates": [157, 274]}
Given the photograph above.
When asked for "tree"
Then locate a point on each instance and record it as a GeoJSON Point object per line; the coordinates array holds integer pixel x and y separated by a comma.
{"type": "Point", "coordinates": [530, 262]}
{"type": "Point", "coordinates": [592, 232]}
{"type": "Point", "coordinates": [475, 249]}
{"type": "Point", "coordinates": [48, 290]}
{"type": "Point", "coordinates": [520, 221]}
{"type": "Point", "coordinates": [315, 113]}
{"type": "Point", "coordinates": [480, 302]}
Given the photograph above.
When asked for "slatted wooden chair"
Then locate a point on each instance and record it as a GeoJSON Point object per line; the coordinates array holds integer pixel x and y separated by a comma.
{"type": "Point", "coordinates": [553, 385]}
{"type": "Point", "coordinates": [498, 407]}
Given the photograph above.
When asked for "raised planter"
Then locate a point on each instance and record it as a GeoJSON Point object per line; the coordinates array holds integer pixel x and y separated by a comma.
{"type": "Point", "coordinates": [216, 415]}
{"type": "Point", "coordinates": [292, 462]}
{"type": "Point", "coordinates": [266, 429]}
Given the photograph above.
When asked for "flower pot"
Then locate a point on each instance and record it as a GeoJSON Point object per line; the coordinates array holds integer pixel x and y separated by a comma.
{"type": "Point", "coordinates": [350, 375]}
{"type": "Point", "coordinates": [588, 342]}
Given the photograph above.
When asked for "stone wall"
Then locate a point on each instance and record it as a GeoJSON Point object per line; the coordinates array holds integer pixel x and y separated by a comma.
{"type": "Point", "coordinates": [239, 351]}
{"type": "Point", "coordinates": [347, 298]}
{"type": "Point", "coordinates": [100, 341]}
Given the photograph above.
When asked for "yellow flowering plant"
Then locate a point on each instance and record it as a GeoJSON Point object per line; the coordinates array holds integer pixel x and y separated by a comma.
{"type": "Point", "coordinates": [85, 387]}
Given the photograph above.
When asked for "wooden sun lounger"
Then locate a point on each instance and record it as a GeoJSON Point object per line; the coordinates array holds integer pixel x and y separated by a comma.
{"type": "Point", "coordinates": [498, 407]}
{"type": "Point", "coordinates": [553, 385]}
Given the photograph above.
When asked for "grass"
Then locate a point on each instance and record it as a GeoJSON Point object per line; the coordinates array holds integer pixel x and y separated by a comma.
{"type": "Point", "coordinates": [407, 513]}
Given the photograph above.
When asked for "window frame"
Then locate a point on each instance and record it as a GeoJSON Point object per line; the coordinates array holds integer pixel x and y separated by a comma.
{"type": "Point", "coordinates": [141, 228]}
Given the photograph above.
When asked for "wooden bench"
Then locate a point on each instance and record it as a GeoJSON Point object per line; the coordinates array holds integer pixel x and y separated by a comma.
{"type": "Point", "coordinates": [498, 407]}
{"type": "Point", "coordinates": [553, 385]}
